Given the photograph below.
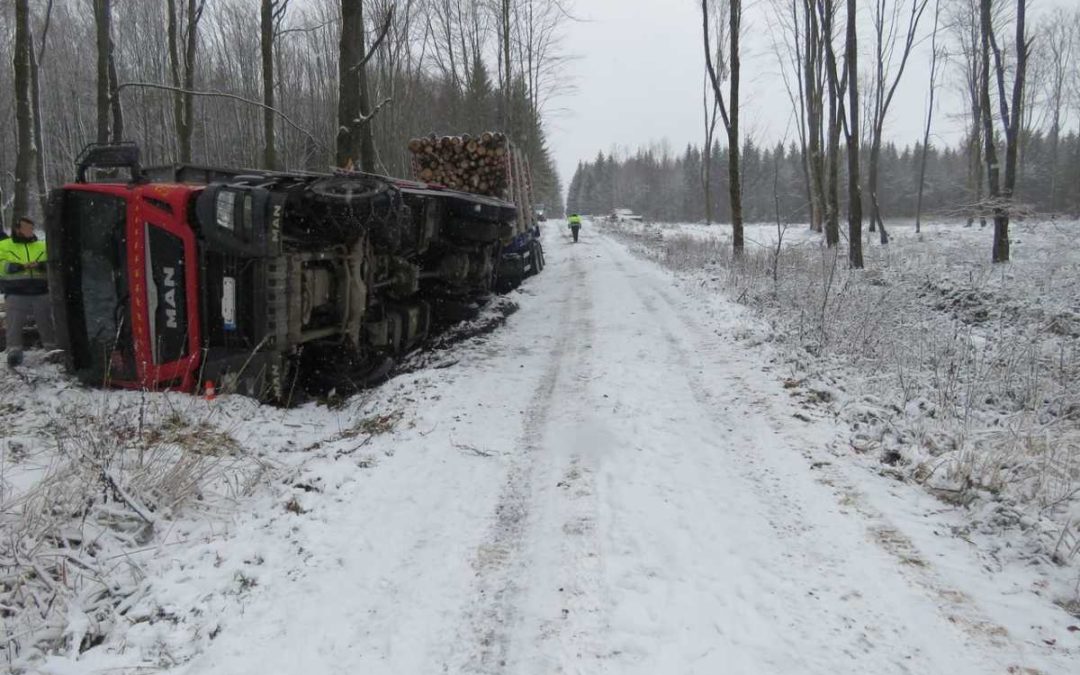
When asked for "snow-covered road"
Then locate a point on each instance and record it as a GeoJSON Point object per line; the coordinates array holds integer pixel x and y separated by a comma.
{"type": "Point", "coordinates": [611, 483]}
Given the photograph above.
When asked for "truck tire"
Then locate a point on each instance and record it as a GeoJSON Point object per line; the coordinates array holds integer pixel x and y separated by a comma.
{"type": "Point", "coordinates": [537, 257]}
{"type": "Point", "coordinates": [350, 190]}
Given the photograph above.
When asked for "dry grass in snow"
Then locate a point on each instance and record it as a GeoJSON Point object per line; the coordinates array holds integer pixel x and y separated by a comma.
{"type": "Point", "coordinates": [953, 372]}
{"type": "Point", "coordinates": [88, 494]}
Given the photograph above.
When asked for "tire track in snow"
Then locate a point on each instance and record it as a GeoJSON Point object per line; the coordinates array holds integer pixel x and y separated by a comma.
{"type": "Point", "coordinates": [566, 602]}
{"type": "Point", "coordinates": [954, 606]}
{"type": "Point", "coordinates": [485, 633]}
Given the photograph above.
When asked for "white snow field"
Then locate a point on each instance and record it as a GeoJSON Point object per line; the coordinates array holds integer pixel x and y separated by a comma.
{"type": "Point", "coordinates": [614, 481]}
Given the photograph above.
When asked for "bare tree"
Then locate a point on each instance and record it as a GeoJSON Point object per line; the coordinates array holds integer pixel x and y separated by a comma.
{"type": "Point", "coordinates": [846, 117]}
{"type": "Point", "coordinates": [962, 19]}
{"type": "Point", "coordinates": [182, 68]}
{"type": "Point", "coordinates": [355, 140]}
{"type": "Point", "coordinates": [706, 151]}
{"type": "Point", "coordinates": [26, 153]}
{"type": "Point", "coordinates": [228, 86]}
{"type": "Point", "coordinates": [814, 87]}
{"type": "Point", "coordinates": [273, 12]}
{"type": "Point", "coordinates": [116, 110]}
{"type": "Point", "coordinates": [504, 9]}
{"type": "Point", "coordinates": [729, 116]}
{"type": "Point", "coordinates": [790, 17]}
{"type": "Point", "coordinates": [540, 59]}
{"type": "Point", "coordinates": [855, 214]}
{"type": "Point", "coordinates": [103, 22]}
{"type": "Point", "coordinates": [1062, 47]}
{"type": "Point", "coordinates": [934, 54]}
{"type": "Point", "coordinates": [350, 147]}
{"type": "Point", "coordinates": [711, 106]}
{"type": "Point", "coordinates": [836, 85]}
{"type": "Point", "coordinates": [37, 54]}
{"type": "Point", "coordinates": [1003, 195]}
{"type": "Point", "coordinates": [884, 83]}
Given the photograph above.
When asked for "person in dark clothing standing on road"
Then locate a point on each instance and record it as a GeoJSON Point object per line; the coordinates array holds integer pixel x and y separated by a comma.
{"type": "Point", "coordinates": [26, 291]}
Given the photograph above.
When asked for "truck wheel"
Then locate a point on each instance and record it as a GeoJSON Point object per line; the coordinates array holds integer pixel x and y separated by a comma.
{"type": "Point", "coordinates": [538, 257]}
{"type": "Point", "coordinates": [351, 190]}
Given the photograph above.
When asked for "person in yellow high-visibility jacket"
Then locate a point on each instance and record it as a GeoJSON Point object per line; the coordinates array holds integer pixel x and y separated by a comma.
{"type": "Point", "coordinates": [574, 223]}
{"type": "Point", "coordinates": [26, 291]}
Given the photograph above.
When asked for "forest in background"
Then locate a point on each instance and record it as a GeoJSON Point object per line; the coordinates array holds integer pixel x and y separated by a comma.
{"type": "Point", "coordinates": [435, 67]}
{"type": "Point", "coordinates": [774, 184]}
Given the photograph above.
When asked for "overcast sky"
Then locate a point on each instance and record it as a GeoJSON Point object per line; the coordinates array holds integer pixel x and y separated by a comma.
{"type": "Point", "coordinates": [639, 76]}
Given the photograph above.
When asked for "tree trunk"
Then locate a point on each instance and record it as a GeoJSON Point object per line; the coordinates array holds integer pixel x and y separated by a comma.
{"type": "Point", "coordinates": [173, 30]}
{"type": "Point", "coordinates": [25, 153]}
{"type": "Point", "coordinates": [975, 165]}
{"type": "Point", "coordinates": [730, 117]}
{"type": "Point", "coordinates": [114, 98]}
{"type": "Point", "coordinates": [734, 181]}
{"type": "Point", "coordinates": [349, 145]}
{"type": "Point", "coordinates": [504, 36]}
{"type": "Point", "coordinates": [832, 193]}
{"type": "Point", "coordinates": [182, 68]}
{"type": "Point", "coordinates": [367, 138]}
{"type": "Point", "coordinates": [876, 222]}
{"type": "Point", "coordinates": [1001, 218]}
{"type": "Point", "coordinates": [102, 22]}
{"type": "Point", "coordinates": [35, 94]}
{"type": "Point", "coordinates": [356, 140]}
{"type": "Point", "coordinates": [929, 118]}
{"type": "Point", "coordinates": [1012, 130]}
{"type": "Point", "coordinates": [706, 155]}
{"type": "Point", "coordinates": [871, 183]}
{"type": "Point", "coordinates": [851, 53]}
{"type": "Point", "coordinates": [885, 46]}
{"type": "Point", "coordinates": [188, 99]}
{"type": "Point", "coordinates": [267, 53]}
{"type": "Point", "coordinates": [811, 75]}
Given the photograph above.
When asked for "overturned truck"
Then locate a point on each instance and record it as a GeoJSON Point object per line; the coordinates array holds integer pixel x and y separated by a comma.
{"type": "Point", "coordinates": [265, 283]}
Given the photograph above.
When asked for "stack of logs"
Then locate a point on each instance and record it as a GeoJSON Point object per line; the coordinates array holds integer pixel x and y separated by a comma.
{"type": "Point", "coordinates": [476, 164]}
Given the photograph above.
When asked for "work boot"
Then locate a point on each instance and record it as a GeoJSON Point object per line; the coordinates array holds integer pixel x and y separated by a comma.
{"type": "Point", "coordinates": [14, 358]}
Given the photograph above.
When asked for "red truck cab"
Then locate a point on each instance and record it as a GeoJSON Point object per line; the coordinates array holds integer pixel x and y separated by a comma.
{"type": "Point", "coordinates": [128, 281]}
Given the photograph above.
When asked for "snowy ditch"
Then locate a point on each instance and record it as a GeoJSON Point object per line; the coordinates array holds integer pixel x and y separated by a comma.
{"type": "Point", "coordinates": [99, 489]}
{"type": "Point", "coordinates": [953, 373]}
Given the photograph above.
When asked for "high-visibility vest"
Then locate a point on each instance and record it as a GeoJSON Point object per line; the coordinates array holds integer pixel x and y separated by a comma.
{"type": "Point", "coordinates": [16, 278]}
{"type": "Point", "coordinates": [574, 220]}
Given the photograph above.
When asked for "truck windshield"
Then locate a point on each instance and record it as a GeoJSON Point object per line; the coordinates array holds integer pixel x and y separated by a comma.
{"type": "Point", "coordinates": [96, 267]}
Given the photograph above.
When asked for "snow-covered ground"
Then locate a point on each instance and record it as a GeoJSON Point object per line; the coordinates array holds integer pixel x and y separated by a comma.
{"type": "Point", "coordinates": [624, 478]}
